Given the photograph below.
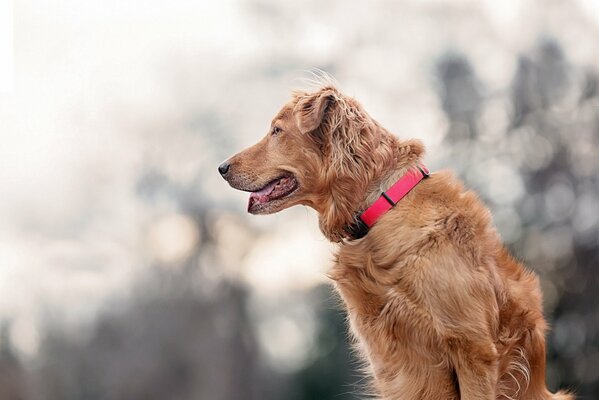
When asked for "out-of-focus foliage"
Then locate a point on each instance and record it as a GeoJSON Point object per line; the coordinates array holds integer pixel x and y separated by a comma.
{"type": "Point", "coordinates": [170, 344]}
{"type": "Point", "coordinates": [157, 286]}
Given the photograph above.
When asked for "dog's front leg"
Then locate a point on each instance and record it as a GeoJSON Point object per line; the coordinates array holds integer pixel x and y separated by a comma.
{"type": "Point", "coordinates": [476, 368]}
{"type": "Point", "coordinates": [460, 296]}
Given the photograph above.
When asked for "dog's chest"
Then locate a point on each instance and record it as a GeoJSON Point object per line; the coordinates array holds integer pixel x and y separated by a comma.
{"type": "Point", "coordinates": [384, 316]}
{"type": "Point", "coordinates": [368, 301]}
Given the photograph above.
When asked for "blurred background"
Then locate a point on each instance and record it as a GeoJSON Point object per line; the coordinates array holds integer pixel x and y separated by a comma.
{"type": "Point", "coordinates": [130, 270]}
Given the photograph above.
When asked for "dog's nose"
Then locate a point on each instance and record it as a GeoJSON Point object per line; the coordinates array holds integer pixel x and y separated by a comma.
{"type": "Point", "coordinates": [224, 168]}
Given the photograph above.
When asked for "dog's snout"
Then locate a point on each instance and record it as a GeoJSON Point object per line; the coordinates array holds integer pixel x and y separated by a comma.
{"type": "Point", "coordinates": [224, 168]}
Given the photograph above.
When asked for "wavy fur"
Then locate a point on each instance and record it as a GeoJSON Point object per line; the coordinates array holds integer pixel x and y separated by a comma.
{"type": "Point", "coordinates": [437, 306]}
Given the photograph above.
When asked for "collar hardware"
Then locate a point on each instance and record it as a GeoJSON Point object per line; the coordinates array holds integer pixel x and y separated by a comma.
{"type": "Point", "coordinates": [386, 196]}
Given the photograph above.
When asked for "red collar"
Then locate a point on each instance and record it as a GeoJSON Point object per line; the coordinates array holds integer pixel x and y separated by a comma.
{"type": "Point", "coordinates": [386, 201]}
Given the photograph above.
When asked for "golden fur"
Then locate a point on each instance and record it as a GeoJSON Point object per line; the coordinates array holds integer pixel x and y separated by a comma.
{"type": "Point", "coordinates": [439, 308]}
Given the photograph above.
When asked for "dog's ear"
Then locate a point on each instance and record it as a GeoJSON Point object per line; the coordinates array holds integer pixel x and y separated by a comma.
{"type": "Point", "coordinates": [310, 110]}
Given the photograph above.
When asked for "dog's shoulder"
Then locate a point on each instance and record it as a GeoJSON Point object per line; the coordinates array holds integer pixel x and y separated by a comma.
{"type": "Point", "coordinates": [439, 214]}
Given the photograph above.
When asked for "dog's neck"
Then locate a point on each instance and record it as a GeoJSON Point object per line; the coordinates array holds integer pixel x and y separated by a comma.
{"type": "Point", "coordinates": [390, 161]}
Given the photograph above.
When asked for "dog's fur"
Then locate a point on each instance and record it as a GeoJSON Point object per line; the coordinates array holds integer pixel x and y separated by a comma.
{"type": "Point", "coordinates": [439, 308]}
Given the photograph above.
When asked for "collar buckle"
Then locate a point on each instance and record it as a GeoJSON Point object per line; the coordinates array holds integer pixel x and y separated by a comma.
{"type": "Point", "coordinates": [358, 229]}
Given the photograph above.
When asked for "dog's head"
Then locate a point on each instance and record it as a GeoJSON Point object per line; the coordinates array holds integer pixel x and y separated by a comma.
{"type": "Point", "coordinates": [286, 167]}
{"type": "Point", "coordinates": [321, 150]}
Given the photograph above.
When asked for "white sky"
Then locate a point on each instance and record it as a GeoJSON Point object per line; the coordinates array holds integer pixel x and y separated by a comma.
{"type": "Point", "coordinates": [6, 46]}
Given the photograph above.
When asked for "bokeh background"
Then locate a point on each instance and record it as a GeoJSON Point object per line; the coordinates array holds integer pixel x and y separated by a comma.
{"type": "Point", "coordinates": [130, 270]}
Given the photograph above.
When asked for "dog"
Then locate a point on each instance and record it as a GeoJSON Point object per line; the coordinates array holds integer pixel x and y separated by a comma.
{"type": "Point", "coordinates": [438, 307]}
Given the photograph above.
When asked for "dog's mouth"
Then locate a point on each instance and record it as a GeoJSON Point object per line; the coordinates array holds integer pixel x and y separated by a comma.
{"type": "Point", "coordinates": [275, 190]}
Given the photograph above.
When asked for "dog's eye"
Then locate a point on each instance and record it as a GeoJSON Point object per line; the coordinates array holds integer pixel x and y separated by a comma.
{"type": "Point", "coordinates": [276, 130]}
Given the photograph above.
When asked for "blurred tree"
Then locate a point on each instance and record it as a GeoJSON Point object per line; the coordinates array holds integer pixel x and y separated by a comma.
{"type": "Point", "coordinates": [12, 374]}
{"type": "Point", "coordinates": [333, 356]}
{"type": "Point", "coordinates": [460, 94]}
{"type": "Point", "coordinates": [167, 344]}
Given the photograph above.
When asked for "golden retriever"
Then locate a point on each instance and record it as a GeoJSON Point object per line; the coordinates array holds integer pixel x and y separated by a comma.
{"type": "Point", "coordinates": [438, 306]}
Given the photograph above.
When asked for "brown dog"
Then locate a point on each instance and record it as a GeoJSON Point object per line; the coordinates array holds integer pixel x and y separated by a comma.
{"type": "Point", "coordinates": [439, 308]}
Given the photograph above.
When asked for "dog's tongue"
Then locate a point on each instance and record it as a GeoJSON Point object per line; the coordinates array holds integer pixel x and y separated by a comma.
{"type": "Point", "coordinates": [261, 196]}
{"type": "Point", "coordinates": [271, 191]}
